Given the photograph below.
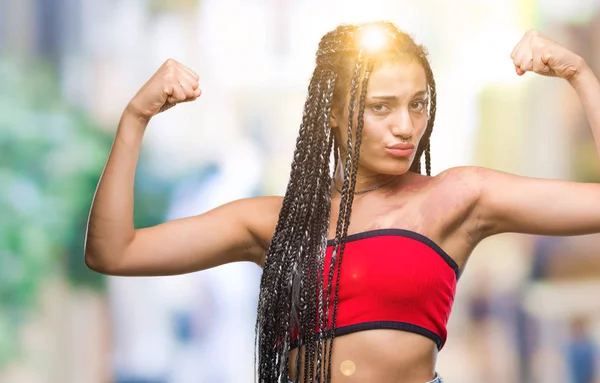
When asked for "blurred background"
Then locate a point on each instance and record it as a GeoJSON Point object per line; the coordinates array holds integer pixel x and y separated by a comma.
{"type": "Point", "coordinates": [527, 308]}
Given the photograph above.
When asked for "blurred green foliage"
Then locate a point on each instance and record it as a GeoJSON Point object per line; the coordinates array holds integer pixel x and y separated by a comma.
{"type": "Point", "coordinates": [51, 157]}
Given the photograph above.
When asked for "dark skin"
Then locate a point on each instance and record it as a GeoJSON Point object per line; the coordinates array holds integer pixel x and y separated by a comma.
{"type": "Point", "coordinates": [456, 209]}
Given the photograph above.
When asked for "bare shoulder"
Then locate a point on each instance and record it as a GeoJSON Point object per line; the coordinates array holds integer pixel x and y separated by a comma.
{"type": "Point", "coordinates": [460, 190]}
{"type": "Point", "coordinates": [462, 182]}
{"type": "Point", "coordinates": [470, 174]}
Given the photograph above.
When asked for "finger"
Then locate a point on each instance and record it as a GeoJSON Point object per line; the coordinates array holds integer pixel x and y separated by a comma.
{"type": "Point", "coordinates": [521, 65]}
{"type": "Point", "coordinates": [187, 89]}
{"type": "Point", "coordinates": [518, 59]}
{"type": "Point", "coordinates": [527, 65]}
{"type": "Point", "coordinates": [192, 99]}
{"type": "Point", "coordinates": [176, 93]}
{"type": "Point", "coordinates": [186, 76]}
{"type": "Point", "coordinates": [170, 63]}
{"type": "Point", "coordinates": [547, 59]}
{"type": "Point", "coordinates": [517, 47]}
{"type": "Point", "coordinates": [191, 72]}
{"type": "Point", "coordinates": [514, 51]}
{"type": "Point", "coordinates": [538, 65]}
{"type": "Point", "coordinates": [523, 60]}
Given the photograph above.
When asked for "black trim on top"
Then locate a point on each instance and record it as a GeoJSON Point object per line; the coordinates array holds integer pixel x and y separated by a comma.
{"type": "Point", "coordinates": [389, 325]}
{"type": "Point", "coordinates": [403, 233]}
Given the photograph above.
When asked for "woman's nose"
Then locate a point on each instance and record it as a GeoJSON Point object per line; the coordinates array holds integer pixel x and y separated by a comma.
{"type": "Point", "coordinates": [402, 126]}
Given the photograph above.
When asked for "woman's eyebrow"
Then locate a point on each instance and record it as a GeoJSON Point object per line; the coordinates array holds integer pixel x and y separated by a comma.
{"type": "Point", "coordinates": [394, 97]}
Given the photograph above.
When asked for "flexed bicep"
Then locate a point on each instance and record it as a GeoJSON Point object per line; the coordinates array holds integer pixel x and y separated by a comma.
{"type": "Point", "coordinates": [512, 203]}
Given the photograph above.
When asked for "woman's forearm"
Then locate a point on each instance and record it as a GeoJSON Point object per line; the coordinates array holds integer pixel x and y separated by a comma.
{"type": "Point", "coordinates": [110, 225]}
{"type": "Point", "coordinates": [587, 86]}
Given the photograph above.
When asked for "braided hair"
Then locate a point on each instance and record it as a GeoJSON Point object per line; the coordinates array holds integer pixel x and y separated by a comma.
{"type": "Point", "coordinates": [295, 302]}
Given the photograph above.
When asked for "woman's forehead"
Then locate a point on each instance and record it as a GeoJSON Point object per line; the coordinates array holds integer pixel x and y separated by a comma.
{"type": "Point", "coordinates": [397, 78]}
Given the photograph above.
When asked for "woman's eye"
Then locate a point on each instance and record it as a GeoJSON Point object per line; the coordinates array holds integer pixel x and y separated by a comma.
{"type": "Point", "coordinates": [419, 106]}
{"type": "Point", "coordinates": [379, 108]}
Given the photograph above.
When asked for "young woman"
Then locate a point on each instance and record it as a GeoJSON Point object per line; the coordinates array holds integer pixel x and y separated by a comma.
{"type": "Point", "coordinates": [381, 284]}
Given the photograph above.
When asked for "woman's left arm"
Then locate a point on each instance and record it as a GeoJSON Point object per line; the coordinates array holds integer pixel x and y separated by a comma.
{"type": "Point", "coordinates": [510, 203]}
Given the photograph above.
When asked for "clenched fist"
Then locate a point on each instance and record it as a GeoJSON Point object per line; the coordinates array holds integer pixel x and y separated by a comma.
{"type": "Point", "coordinates": [173, 83]}
{"type": "Point", "coordinates": [538, 53]}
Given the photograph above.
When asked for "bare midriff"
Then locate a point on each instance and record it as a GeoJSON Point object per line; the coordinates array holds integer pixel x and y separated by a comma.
{"type": "Point", "coordinates": [379, 356]}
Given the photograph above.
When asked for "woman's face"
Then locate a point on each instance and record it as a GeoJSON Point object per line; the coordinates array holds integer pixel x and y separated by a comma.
{"type": "Point", "coordinates": [395, 118]}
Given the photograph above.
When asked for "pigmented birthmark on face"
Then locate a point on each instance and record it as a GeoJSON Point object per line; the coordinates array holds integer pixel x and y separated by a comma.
{"type": "Point", "coordinates": [348, 368]}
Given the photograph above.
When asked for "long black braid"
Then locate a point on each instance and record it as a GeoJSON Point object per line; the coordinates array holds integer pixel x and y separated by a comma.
{"type": "Point", "coordinates": [296, 285]}
{"type": "Point", "coordinates": [425, 144]}
{"type": "Point", "coordinates": [346, 205]}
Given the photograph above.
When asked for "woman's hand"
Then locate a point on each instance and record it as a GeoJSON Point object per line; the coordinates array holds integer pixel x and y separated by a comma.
{"type": "Point", "coordinates": [538, 53]}
{"type": "Point", "coordinates": [172, 84]}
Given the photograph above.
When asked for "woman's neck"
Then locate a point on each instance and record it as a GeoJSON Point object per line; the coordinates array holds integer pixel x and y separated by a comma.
{"type": "Point", "coordinates": [368, 180]}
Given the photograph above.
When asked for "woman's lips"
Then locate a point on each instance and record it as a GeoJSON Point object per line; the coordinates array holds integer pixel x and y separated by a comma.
{"type": "Point", "coordinates": [401, 150]}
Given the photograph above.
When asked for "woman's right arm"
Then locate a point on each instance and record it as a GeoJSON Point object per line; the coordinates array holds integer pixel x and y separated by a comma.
{"type": "Point", "coordinates": [237, 231]}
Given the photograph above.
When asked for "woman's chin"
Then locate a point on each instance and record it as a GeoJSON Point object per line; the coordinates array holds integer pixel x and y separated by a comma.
{"type": "Point", "coordinates": [400, 167]}
{"type": "Point", "coordinates": [392, 169]}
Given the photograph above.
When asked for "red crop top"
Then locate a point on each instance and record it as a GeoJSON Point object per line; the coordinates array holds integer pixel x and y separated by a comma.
{"type": "Point", "coordinates": [394, 279]}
